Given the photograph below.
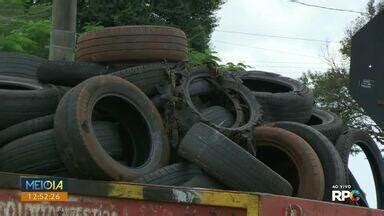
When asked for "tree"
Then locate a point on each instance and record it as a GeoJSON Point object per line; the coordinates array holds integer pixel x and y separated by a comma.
{"type": "Point", "coordinates": [330, 88]}
{"type": "Point", "coordinates": [25, 27]}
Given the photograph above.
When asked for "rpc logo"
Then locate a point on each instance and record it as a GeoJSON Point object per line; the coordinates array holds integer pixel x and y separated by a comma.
{"type": "Point", "coordinates": [342, 195]}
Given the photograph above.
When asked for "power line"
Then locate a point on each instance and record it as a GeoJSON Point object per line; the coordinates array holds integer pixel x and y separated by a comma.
{"type": "Point", "coordinates": [266, 49]}
{"type": "Point", "coordinates": [268, 66]}
{"type": "Point", "coordinates": [276, 36]}
{"type": "Point", "coordinates": [289, 62]}
{"type": "Point", "coordinates": [328, 8]}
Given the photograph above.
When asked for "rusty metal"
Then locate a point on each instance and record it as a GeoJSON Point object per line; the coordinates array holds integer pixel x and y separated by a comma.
{"type": "Point", "coordinates": [80, 205]}
{"type": "Point", "coordinates": [287, 206]}
{"type": "Point", "coordinates": [117, 198]}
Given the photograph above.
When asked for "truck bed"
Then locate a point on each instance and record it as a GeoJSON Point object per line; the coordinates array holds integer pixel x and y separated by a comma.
{"type": "Point", "coordinates": [126, 199]}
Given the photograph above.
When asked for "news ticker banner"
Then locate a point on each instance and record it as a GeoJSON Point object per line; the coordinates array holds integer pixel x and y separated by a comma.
{"type": "Point", "coordinates": [43, 189]}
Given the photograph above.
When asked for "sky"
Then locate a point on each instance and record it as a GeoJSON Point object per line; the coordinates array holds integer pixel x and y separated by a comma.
{"type": "Point", "coordinates": [281, 18]}
{"type": "Point", "coordinates": [288, 57]}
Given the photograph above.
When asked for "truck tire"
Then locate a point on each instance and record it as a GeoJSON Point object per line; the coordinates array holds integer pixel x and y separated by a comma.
{"type": "Point", "coordinates": [297, 163]}
{"type": "Point", "coordinates": [282, 98]}
{"type": "Point", "coordinates": [133, 43]}
{"type": "Point", "coordinates": [333, 166]}
{"type": "Point", "coordinates": [226, 161]}
{"type": "Point", "coordinates": [25, 128]}
{"type": "Point", "coordinates": [150, 77]}
{"type": "Point", "coordinates": [172, 175]}
{"type": "Point", "coordinates": [22, 105]}
{"type": "Point", "coordinates": [20, 83]}
{"type": "Point", "coordinates": [227, 85]}
{"type": "Point", "coordinates": [218, 115]}
{"type": "Point", "coordinates": [124, 104]}
{"type": "Point", "coordinates": [66, 73]}
{"type": "Point", "coordinates": [33, 154]}
{"type": "Point", "coordinates": [203, 181]}
{"type": "Point", "coordinates": [215, 114]}
{"type": "Point", "coordinates": [37, 153]}
{"type": "Point", "coordinates": [19, 65]}
{"type": "Point", "coordinates": [370, 149]}
{"type": "Point", "coordinates": [327, 122]}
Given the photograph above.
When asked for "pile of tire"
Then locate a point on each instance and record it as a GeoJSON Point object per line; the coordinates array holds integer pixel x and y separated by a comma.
{"type": "Point", "coordinates": [131, 108]}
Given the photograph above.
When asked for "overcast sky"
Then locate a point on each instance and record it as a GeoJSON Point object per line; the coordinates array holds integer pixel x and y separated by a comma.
{"type": "Point", "coordinates": [288, 57]}
{"type": "Point", "coordinates": [281, 18]}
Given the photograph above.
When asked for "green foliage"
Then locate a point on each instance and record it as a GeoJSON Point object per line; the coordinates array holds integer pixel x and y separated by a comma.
{"type": "Point", "coordinates": [203, 58]}
{"type": "Point", "coordinates": [25, 27]}
{"type": "Point", "coordinates": [232, 67]}
{"type": "Point", "coordinates": [209, 58]}
{"type": "Point", "coordinates": [91, 26]}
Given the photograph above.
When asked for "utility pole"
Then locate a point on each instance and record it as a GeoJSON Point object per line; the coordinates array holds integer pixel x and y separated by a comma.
{"type": "Point", "coordinates": [63, 35]}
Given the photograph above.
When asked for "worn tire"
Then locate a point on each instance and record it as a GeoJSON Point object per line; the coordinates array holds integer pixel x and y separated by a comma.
{"type": "Point", "coordinates": [172, 175]}
{"type": "Point", "coordinates": [223, 159]}
{"type": "Point", "coordinates": [369, 146]}
{"type": "Point", "coordinates": [333, 166]}
{"type": "Point", "coordinates": [150, 78]}
{"type": "Point", "coordinates": [229, 85]}
{"type": "Point", "coordinates": [218, 115]}
{"type": "Point", "coordinates": [132, 43]}
{"type": "Point", "coordinates": [69, 73]}
{"type": "Point", "coordinates": [298, 162]}
{"type": "Point", "coordinates": [215, 114]}
{"type": "Point", "coordinates": [20, 83]}
{"type": "Point", "coordinates": [37, 153]}
{"type": "Point", "coordinates": [25, 128]}
{"type": "Point", "coordinates": [203, 181]}
{"type": "Point", "coordinates": [327, 122]}
{"type": "Point", "coordinates": [82, 152]}
{"type": "Point", "coordinates": [33, 154]}
{"type": "Point", "coordinates": [22, 105]}
{"type": "Point", "coordinates": [282, 98]}
{"type": "Point", "coordinates": [19, 64]}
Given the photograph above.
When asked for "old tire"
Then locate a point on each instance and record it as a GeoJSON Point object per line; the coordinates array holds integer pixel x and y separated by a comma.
{"type": "Point", "coordinates": [218, 115]}
{"type": "Point", "coordinates": [19, 65]}
{"type": "Point", "coordinates": [150, 77]}
{"type": "Point", "coordinates": [333, 166]}
{"type": "Point", "coordinates": [22, 105]}
{"type": "Point", "coordinates": [124, 103]}
{"type": "Point", "coordinates": [282, 98]}
{"type": "Point", "coordinates": [223, 159]}
{"type": "Point", "coordinates": [215, 114]}
{"type": "Point", "coordinates": [66, 73]}
{"type": "Point", "coordinates": [33, 154]}
{"type": "Point", "coordinates": [37, 152]}
{"type": "Point", "coordinates": [172, 175]}
{"type": "Point", "coordinates": [132, 43]}
{"type": "Point", "coordinates": [25, 128]}
{"type": "Point", "coordinates": [370, 149]}
{"type": "Point", "coordinates": [298, 162]}
{"type": "Point", "coordinates": [230, 88]}
{"type": "Point", "coordinates": [203, 181]}
{"type": "Point", "coordinates": [20, 83]}
{"type": "Point", "coordinates": [327, 122]}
